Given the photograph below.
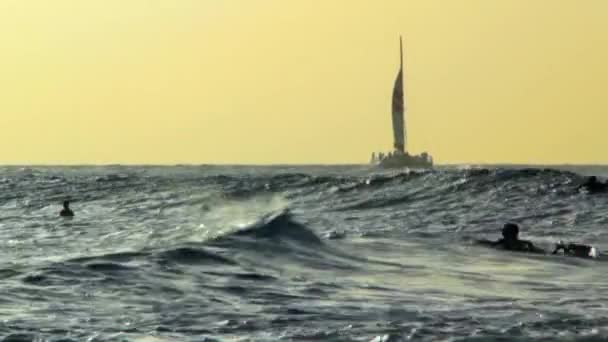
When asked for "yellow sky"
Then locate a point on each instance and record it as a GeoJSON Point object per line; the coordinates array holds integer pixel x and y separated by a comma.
{"type": "Point", "coordinates": [301, 81]}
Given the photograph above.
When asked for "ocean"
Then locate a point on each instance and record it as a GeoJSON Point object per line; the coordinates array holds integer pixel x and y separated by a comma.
{"type": "Point", "coordinates": [298, 253]}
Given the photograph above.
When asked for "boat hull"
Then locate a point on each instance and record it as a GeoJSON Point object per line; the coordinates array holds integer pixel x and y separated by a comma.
{"type": "Point", "coordinates": [400, 161]}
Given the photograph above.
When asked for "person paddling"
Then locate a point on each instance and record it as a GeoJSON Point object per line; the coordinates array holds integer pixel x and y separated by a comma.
{"type": "Point", "coordinates": [511, 242]}
{"type": "Point", "coordinates": [66, 212]}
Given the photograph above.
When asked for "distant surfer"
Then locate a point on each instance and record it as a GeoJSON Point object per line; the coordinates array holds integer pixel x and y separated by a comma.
{"type": "Point", "coordinates": [592, 185]}
{"type": "Point", "coordinates": [66, 212]}
{"type": "Point", "coordinates": [511, 242]}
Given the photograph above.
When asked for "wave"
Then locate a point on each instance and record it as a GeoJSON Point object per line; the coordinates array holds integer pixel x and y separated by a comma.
{"type": "Point", "coordinates": [279, 225]}
{"type": "Point", "coordinates": [93, 185]}
{"type": "Point", "coordinates": [275, 225]}
{"type": "Point", "coordinates": [436, 182]}
{"type": "Point", "coordinates": [114, 178]}
{"type": "Point", "coordinates": [179, 254]}
{"type": "Point", "coordinates": [193, 255]}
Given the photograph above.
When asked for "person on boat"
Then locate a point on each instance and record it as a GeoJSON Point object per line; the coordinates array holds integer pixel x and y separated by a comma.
{"type": "Point", "coordinates": [593, 185]}
{"type": "Point", "coordinates": [577, 250]}
{"type": "Point", "coordinates": [510, 241]}
{"type": "Point", "coordinates": [66, 212]}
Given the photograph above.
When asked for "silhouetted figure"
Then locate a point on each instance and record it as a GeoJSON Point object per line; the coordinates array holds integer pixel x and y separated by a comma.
{"type": "Point", "coordinates": [593, 185]}
{"type": "Point", "coordinates": [510, 241]}
{"type": "Point", "coordinates": [66, 212]}
{"type": "Point", "coordinates": [577, 250]}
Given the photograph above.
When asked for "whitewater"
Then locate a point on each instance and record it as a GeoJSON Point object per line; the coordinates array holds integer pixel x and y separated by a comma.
{"type": "Point", "coordinates": [298, 253]}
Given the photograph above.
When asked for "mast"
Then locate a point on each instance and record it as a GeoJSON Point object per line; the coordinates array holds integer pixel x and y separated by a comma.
{"type": "Point", "coordinates": [398, 107]}
{"type": "Point", "coordinates": [401, 53]}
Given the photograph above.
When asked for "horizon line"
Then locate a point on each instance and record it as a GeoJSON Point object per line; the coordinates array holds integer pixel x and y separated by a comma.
{"type": "Point", "coordinates": [295, 164]}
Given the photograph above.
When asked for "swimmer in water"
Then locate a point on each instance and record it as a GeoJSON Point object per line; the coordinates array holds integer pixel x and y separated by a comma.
{"type": "Point", "coordinates": [511, 242]}
{"type": "Point", "coordinates": [66, 212]}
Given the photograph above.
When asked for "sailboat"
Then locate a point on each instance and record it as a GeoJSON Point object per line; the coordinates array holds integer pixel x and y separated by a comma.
{"type": "Point", "coordinates": [399, 157]}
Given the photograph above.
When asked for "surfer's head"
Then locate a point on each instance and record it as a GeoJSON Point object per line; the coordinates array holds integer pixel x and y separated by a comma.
{"type": "Point", "coordinates": [66, 204]}
{"type": "Point", "coordinates": [592, 179]}
{"type": "Point", "coordinates": [510, 231]}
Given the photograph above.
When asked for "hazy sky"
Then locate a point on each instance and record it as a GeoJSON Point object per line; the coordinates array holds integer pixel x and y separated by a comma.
{"type": "Point", "coordinates": [301, 81]}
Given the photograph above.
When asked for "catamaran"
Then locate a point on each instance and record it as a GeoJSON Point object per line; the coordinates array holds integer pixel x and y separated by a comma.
{"type": "Point", "coordinates": [399, 157]}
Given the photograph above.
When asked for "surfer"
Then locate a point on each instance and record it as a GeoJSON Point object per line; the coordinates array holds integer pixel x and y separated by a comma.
{"type": "Point", "coordinates": [510, 241]}
{"type": "Point", "coordinates": [592, 185]}
{"type": "Point", "coordinates": [66, 212]}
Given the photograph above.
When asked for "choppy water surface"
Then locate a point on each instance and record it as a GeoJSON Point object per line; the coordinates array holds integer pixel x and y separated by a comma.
{"type": "Point", "coordinates": [204, 253]}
